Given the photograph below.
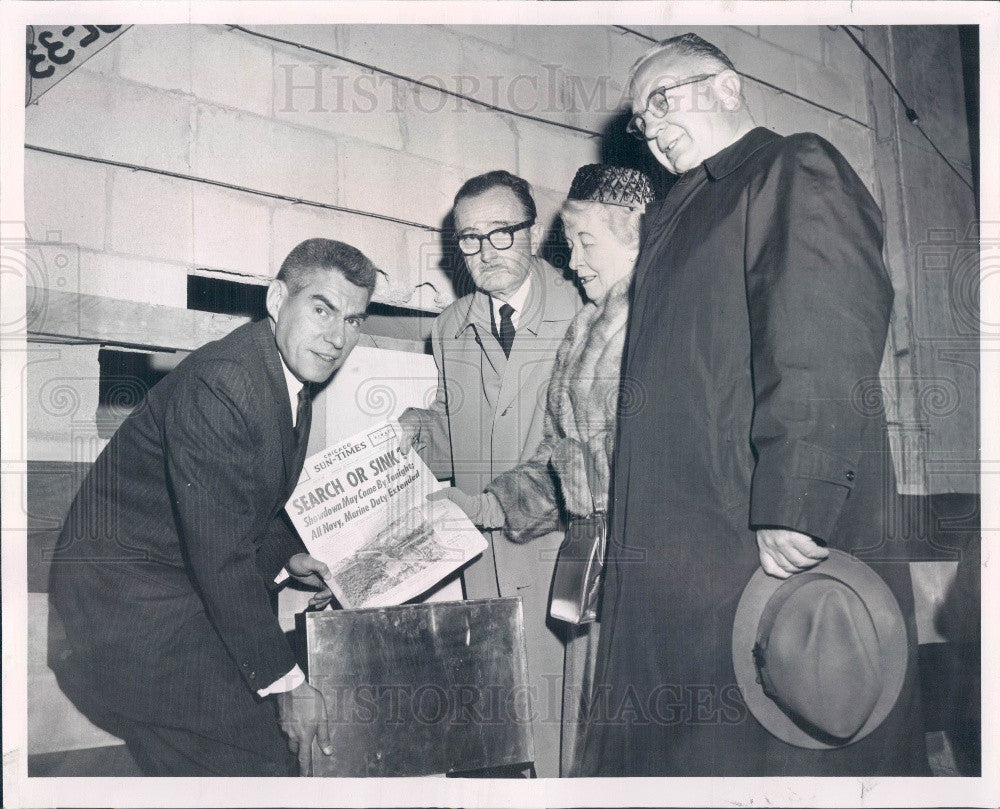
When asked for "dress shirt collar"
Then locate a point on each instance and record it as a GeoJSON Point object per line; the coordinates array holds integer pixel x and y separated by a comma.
{"type": "Point", "coordinates": [294, 386]}
{"type": "Point", "coordinates": [517, 301]}
{"type": "Point", "coordinates": [549, 299]}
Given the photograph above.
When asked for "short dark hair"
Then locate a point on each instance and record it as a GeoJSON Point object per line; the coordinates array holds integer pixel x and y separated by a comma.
{"type": "Point", "coordinates": [690, 45]}
{"type": "Point", "coordinates": [326, 254]}
{"type": "Point", "coordinates": [500, 179]}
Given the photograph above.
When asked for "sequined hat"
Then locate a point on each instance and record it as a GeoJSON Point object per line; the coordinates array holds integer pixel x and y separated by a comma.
{"type": "Point", "coordinates": [612, 185]}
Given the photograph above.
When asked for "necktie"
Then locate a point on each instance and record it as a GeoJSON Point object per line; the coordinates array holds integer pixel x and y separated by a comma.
{"type": "Point", "coordinates": [506, 331]}
{"type": "Point", "coordinates": [303, 420]}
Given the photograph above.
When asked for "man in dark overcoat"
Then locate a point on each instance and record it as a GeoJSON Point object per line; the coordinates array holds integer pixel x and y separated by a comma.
{"type": "Point", "coordinates": [759, 316]}
{"type": "Point", "coordinates": [166, 564]}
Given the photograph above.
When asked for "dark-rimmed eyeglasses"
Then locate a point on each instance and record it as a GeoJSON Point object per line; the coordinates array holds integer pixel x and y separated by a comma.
{"type": "Point", "coordinates": [500, 238]}
{"type": "Point", "coordinates": [658, 105]}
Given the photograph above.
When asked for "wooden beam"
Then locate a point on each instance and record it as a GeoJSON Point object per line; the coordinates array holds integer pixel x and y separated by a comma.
{"type": "Point", "coordinates": [72, 317]}
{"type": "Point", "coordinates": [394, 343]}
{"type": "Point", "coordinates": [79, 317]}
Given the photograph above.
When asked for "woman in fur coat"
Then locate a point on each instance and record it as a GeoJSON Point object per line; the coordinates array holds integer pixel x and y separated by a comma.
{"type": "Point", "coordinates": [569, 475]}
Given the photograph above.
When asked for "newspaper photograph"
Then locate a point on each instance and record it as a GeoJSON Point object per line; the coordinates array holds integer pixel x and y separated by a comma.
{"type": "Point", "coordinates": [361, 507]}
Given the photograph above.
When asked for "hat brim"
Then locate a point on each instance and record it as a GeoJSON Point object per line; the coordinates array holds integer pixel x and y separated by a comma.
{"type": "Point", "coordinates": [889, 628]}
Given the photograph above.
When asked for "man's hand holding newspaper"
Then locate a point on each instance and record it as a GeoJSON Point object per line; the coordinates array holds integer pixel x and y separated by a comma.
{"type": "Point", "coordinates": [361, 507]}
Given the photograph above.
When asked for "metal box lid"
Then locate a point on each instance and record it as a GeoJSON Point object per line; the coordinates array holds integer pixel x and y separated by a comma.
{"type": "Point", "coordinates": [422, 689]}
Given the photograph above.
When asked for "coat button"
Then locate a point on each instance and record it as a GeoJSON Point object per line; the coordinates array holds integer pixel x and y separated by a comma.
{"type": "Point", "coordinates": [849, 474]}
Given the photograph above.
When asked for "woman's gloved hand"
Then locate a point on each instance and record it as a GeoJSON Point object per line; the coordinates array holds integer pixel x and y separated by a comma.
{"type": "Point", "coordinates": [483, 509]}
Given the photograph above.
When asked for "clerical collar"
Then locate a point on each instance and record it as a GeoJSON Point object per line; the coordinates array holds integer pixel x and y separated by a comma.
{"type": "Point", "coordinates": [727, 160]}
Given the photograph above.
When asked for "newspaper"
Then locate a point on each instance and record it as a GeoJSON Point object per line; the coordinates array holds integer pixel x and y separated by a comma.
{"type": "Point", "coordinates": [361, 507]}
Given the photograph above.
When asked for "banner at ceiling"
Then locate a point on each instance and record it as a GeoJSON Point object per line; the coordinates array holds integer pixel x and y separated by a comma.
{"type": "Point", "coordinates": [55, 51]}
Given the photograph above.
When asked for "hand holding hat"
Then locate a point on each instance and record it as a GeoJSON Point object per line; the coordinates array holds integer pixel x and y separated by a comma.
{"type": "Point", "coordinates": [784, 552]}
{"type": "Point", "coordinates": [820, 656]}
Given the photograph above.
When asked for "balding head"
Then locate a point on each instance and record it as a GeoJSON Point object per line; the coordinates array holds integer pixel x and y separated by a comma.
{"type": "Point", "coordinates": [687, 102]}
{"type": "Point", "coordinates": [690, 48]}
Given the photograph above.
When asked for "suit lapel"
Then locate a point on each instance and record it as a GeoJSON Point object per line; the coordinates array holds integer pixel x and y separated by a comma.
{"type": "Point", "coordinates": [476, 330]}
{"type": "Point", "coordinates": [275, 383]}
{"type": "Point", "coordinates": [547, 312]}
{"type": "Point", "coordinates": [481, 319]}
{"type": "Point", "coordinates": [494, 360]}
{"type": "Point", "coordinates": [525, 363]}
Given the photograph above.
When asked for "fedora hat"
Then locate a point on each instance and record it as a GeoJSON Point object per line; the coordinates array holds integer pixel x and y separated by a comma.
{"type": "Point", "coordinates": [820, 657]}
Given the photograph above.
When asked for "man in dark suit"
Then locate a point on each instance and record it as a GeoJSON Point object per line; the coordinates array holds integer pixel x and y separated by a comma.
{"type": "Point", "coordinates": [760, 308]}
{"type": "Point", "coordinates": [168, 558]}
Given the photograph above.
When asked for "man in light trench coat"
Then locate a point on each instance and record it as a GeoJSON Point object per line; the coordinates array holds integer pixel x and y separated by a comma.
{"type": "Point", "coordinates": [494, 350]}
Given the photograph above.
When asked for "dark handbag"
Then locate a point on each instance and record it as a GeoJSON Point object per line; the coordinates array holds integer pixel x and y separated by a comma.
{"type": "Point", "coordinates": [576, 586]}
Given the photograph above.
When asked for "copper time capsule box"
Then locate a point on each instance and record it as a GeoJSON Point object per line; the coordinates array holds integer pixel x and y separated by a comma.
{"type": "Point", "coordinates": [422, 689]}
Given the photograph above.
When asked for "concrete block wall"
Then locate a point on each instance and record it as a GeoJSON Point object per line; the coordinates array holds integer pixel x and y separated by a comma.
{"type": "Point", "coordinates": [273, 113]}
{"type": "Point", "coordinates": [934, 244]}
